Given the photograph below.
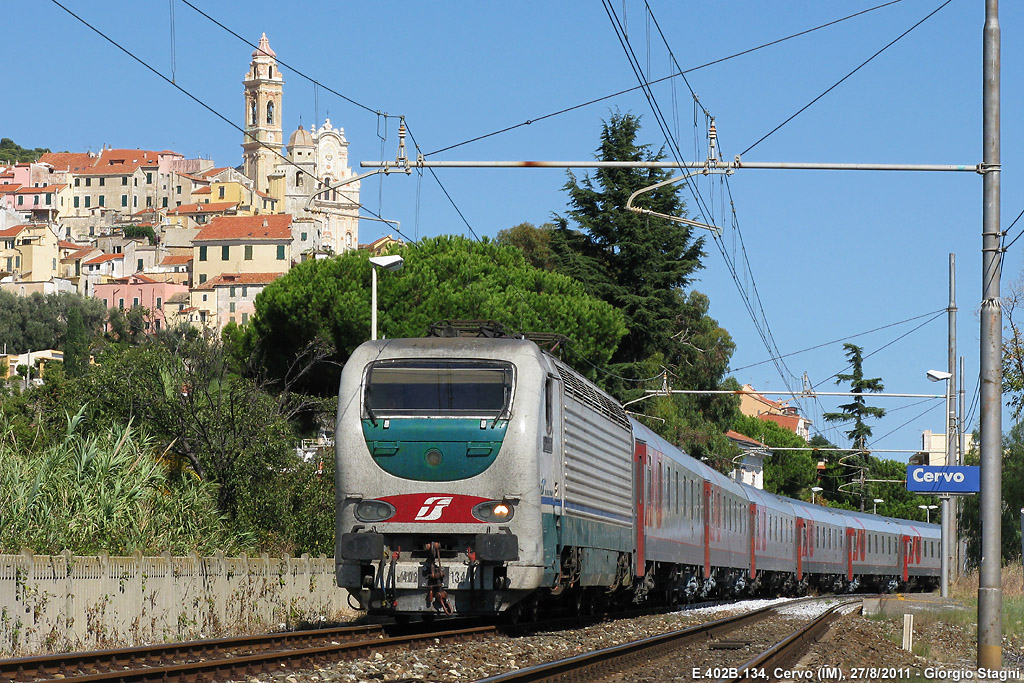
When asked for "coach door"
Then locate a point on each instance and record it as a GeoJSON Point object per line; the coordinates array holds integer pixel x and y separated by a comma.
{"type": "Point", "coordinates": [640, 482]}
{"type": "Point", "coordinates": [905, 551]}
{"type": "Point", "coordinates": [708, 512]}
{"type": "Point", "coordinates": [800, 539]}
{"type": "Point", "coordinates": [851, 552]}
{"type": "Point", "coordinates": [752, 528]}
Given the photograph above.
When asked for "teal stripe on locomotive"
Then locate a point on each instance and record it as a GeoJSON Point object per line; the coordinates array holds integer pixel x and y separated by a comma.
{"type": "Point", "coordinates": [434, 449]}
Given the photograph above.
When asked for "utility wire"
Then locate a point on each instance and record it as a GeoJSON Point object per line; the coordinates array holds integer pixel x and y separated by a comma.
{"type": "Point", "coordinates": [841, 339]}
{"type": "Point", "coordinates": [883, 347]}
{"type": "Point", "coordinates": [659, 80]}
{"type": "Point", "coordinates": [1005, 232]}
{"type": "Point", "coordinates": [282, 63]}
{"type": "Point", "coordinates": [207, 107]}
{"type": "Point", "coordinates": [766, 335]}
{"type": "Point", "coordinates": [836, 84]}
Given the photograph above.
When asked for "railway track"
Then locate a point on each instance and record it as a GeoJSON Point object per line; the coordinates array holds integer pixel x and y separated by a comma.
{"type": "Point", "coordinates": [221, 659]}
{"type": "Point", "coordinates": [659, 657]}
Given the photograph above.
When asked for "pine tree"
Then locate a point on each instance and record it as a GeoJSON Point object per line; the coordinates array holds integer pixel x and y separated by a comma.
{"type": "Point", "coordinates": [857, 410]}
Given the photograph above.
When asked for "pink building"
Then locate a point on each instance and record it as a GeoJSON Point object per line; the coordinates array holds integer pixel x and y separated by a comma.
{"type": "Point", "coordinates": [139, 290]}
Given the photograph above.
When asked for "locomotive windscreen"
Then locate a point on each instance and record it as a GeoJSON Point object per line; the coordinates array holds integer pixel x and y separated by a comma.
{"type": "Point", "coordinates": [399, 388]}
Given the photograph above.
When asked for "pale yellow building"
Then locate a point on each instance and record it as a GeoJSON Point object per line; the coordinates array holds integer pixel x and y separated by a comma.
{"type": "Point", "coordinates": [242, 244]}
{"type": "Point", "coordinates": [30, 252]}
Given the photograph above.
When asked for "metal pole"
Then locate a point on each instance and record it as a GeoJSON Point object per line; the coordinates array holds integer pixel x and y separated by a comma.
{"type": "Point", "coordinates": [373, 302]}
{"type": "Point", "coordinates": [990, 597]}
{"type": "Point", "coordinates": [960, 455]}
{"type": "Point", "coordinates": [948, 537]}
{"type": "Point", "coordinates": [944, 536]}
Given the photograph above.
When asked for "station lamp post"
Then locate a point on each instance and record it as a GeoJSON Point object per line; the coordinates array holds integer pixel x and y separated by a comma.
{"type": "Point", "coordinates": [927, 512]}
{"type": "Point", "coordinates": [392, 263]}
{"type": "Point", "coordinates": [874, 508]}
{"type": "Point", "coordinates": [948, 521]}
{"type": "Point", "coordinates": [814, 489]}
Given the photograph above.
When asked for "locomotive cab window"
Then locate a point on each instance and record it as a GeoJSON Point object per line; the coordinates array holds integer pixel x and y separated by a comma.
{"type": "Point", "coordinates": [438, 388]}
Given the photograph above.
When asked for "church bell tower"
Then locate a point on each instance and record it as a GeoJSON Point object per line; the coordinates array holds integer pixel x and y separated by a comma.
{"type": "Point", "coordinates": [263, 87]}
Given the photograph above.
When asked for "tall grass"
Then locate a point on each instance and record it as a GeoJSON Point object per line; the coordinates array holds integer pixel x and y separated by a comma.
{"type": "Point", "coordinates": [104, 492]}
{"type": "Point", "coordinates": [965, 589]}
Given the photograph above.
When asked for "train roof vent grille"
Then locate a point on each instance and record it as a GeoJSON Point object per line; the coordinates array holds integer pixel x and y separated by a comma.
{"type": "Point", "coordinates": [584, 392]}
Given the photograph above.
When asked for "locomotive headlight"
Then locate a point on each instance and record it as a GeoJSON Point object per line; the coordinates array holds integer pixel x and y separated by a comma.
{"type": "Point", "coordinates": [374, 511]}
{"type": "Point", "coordinates": [494, 511]}
{"type": "Point", "coordinates": [433, 457]}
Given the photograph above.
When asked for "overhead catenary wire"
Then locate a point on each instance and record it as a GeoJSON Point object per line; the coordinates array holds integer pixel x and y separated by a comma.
{"type": "Point", "coordinates": [843, 339]}
{"type": "Point", "coordinates": [765, 332]}
{"type": "Point", "coordinates": [837, 83]}
{"type": "Point", "coordinates": [619, 93]}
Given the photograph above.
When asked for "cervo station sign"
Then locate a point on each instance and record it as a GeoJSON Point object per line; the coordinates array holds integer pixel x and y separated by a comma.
{"type": "Point", "coordinates": [926, 479]}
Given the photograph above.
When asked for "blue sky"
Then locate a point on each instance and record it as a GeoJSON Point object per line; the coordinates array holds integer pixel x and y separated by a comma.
{"type": "Point", "coordinates": [832, 254]}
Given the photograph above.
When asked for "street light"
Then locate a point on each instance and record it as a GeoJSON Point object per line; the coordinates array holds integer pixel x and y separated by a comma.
{"type": "Point", "coordinates": [814, 489]}
{"type": "Point", "coordinates": [874, 508]}
{"type": "Point", "coordinates": [927, 512]}
{"type": "Point", "coordinates": [948, 520]}
{"type": "Point", "coordinates": [392, 263]}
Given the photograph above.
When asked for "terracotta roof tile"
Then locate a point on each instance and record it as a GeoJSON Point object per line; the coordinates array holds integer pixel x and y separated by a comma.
{"type": "Point", "coordinates": [267, 227]}
{"type": "Point", "coordinates": [41, 190]}
{"type": "Point", "coordinates": [103, 258]}
{"type": "Point", "coordinates": [203, 190]}
{"type": "Point", "coordinates": [212, 207]}
{"type": "Point", "coordinates": [81, 253]}
{"type": "Point", "coordinates": [64, 161]}
{"type": "Point", "coordinates": [231, 279]}
{"type": "Point", "coordinates": [176, 260]}
{"type": "Point", "coordinates": [215, 171]}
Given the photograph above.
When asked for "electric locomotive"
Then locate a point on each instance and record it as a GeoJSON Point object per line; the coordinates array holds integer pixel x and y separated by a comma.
{"type": "Point", "coordinates": [482, 475]}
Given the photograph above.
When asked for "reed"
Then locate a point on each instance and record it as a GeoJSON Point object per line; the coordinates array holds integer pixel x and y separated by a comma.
{"type": "Point", "coordinates": [106, 492]}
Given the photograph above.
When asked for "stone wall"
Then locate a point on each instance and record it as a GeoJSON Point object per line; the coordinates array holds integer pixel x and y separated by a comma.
{"type": "Point", "coordinates": [52, 603]}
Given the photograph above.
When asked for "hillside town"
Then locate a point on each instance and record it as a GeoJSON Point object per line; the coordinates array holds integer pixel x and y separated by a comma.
{"type": "Point", "coordinates": [188, 240]}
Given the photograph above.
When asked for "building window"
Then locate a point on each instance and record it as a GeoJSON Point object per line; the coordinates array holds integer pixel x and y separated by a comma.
{"type": "Point", "coordinates": [120, 303]}
{"type": "Point", "coordinates": [280, 252]}
{"type": "Point", "coordinates": [124, 200]}
{"type": "Point", "coordinates": [21, 199]}
{"type": "Point", "coordinates": [159, 302]}
{"type": "Point", "coordinates": [49, 198]}
{"type": "Point", "coordinates": [270, 72]}
{"type": "Point", "coordinates": [232, 307]}
{"type": "Point", "coordinates": [245, 291]}
{"type": "Point", "coordinates": [88, 182]}
{"type": "Point", "coordinates": [303, 237]}
{"type": "Point", "coordinates": [299, 180]}
{"type": "Point", "coordinates": [248, 252]}
{"type": "Point", "coordinates": [88, 200]}
{"type": "Point", "coordinates": [135, 202]}
{"type": "Point", "coordinates": [124, 180]}
{"type": "Point", "coordinates": [245, 318]}
{"type": "Point", "coordinates": [138, 266]}
{"type": "Point", "coordinates": [225, 252]}
{"type": "Point", "coordinates": [202, 253]}
{"type": "Point", "coordinates": [164, 203]}
{"type": "Point", "coordinates": [100, 200]}
{"type": "Point", "coordinates": [135, 302]}
{"type": "Point", "coordinates": [149, 178]}
{"type": "Point", "coordinates": [252, 112]}
{"type": "Point", "coordinates": [35, 200]}
{"type": "Point", "coordinates": [77, 182]}
{"type": "Point", "coordinates": [220, 192]}
{"type": "Point", "coordinates": [102, 183]}
{"type": "Point", "coordinates": [149, 202]}
{"type": "Point", "coordinates": [202, 279]}
{"type": "Point", "coordinates": [270, 112]}
{"type": "Point", "coordinates": [76, 202]}
{"type": "Point", "coordinates": [231, 291]}
{"type": "Point", "coordinates": [178, 189]}
{"type": "Point", "coordinates": [204, 296]}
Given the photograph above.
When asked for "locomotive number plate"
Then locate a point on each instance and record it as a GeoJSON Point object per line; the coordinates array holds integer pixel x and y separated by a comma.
{"type": "Point", "coordinates": [450, 576]}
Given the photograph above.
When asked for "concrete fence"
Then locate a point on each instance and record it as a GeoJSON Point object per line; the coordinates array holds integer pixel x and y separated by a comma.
{"type": "Point", "coordinates": [52, 603]}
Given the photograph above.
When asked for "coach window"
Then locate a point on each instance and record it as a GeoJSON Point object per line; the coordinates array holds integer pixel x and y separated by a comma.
{"type": "Point", "coordinates": [407, 388]}
{"type": "Point", "coordinates": [547, 404]}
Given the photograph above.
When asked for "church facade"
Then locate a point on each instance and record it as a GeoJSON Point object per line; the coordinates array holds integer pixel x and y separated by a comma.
{"type": "Point", "coordinates": [308, 177]}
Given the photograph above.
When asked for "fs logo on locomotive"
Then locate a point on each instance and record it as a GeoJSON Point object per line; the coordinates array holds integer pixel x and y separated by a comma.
{"type": "Point", "coordinates": [432, 508]}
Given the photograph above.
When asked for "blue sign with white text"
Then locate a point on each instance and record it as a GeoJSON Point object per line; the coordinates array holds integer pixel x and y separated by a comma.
{"type": "Point", "coordinates": [925, 479]}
